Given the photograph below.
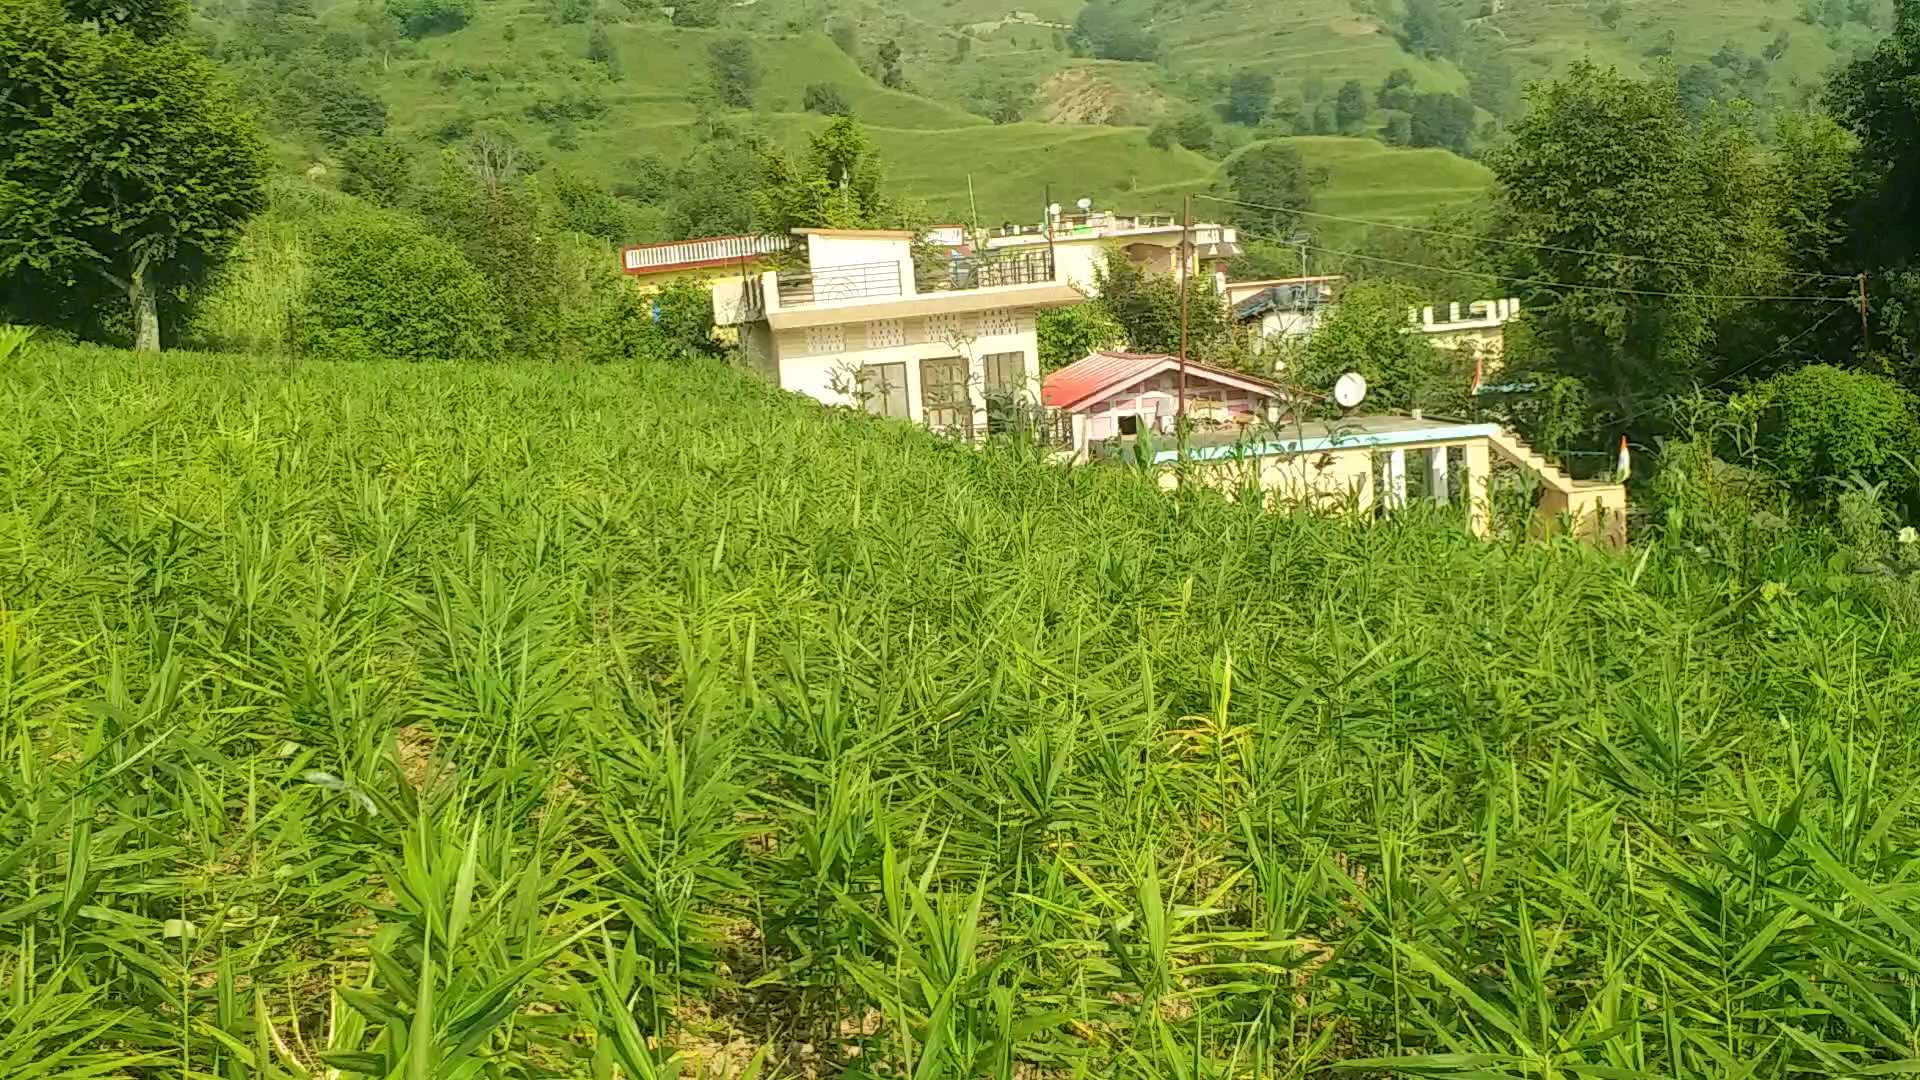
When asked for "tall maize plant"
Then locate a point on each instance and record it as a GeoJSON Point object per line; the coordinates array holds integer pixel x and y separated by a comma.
{"type": "Point", "coordinates": [430, 722]}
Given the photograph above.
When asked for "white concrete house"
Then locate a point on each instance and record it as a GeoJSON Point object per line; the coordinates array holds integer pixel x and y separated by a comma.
{"type": "Point", "coordinates": [862, 325]}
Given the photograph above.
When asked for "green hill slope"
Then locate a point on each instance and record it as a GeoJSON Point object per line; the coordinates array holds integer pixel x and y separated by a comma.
{"type": "Point", "coordinates": [523, 65]}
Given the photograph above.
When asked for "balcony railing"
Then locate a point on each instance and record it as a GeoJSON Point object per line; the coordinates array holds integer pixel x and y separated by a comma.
{"type": "Point", "coordinates": [985, 271]}
{"type": "Point", "coordinates": [832, 284]}
{"type": "Point", "coordinates": [883, 281]}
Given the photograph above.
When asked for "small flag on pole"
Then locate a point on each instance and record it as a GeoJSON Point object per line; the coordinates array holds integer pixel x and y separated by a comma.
{"type": "Point", "coordinates": [1479, 375]}
{"type": "Point", "coordinates": [1625, 467]}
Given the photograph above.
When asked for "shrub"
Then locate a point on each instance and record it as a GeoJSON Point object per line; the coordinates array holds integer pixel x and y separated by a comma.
{"type": "Point", "coordinates": [378, 168]}
{"type": "Point", "coordinates": [825, 99]}
{"type": "Point", "coordinates": [1821, 424]}
{"type": "Point", "coordinates": [14, 341]}
{"type": "Point", "coordinates": [1069, 333]}
{"type": "Point", "coordinates": [418, 18]}
{"type": "Point", "coordinates": [601, 50]}
{"type": "Point", "coordinates": [734, 71]}
{"type": "Point", "coordinates": [1195, 132]}
{"type": "Point", "coordinates": [680, 319]}
{"type": "Point", "coordinates": [696, 13]}
{"type": "Point", "coordinates": [381, 286]}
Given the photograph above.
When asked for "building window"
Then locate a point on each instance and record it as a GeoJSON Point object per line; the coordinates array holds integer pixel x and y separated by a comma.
{"type": "Point", "coordinates": [826, 339]}
{"type": "Point", "coordinates": [883, 390]}
{"type": "Point", "coordinates": [1006, 372]}
{"type": "Point", "coordinates": [944, 328]}
{"type": "Point", "coordinates": [886, 333]}
{"type": "Point", "coordinates": [945, 404]}
{"type": "Point", "coordinates": [1006, 389]}
{"type": "Point", "coordinates": [999, 321]}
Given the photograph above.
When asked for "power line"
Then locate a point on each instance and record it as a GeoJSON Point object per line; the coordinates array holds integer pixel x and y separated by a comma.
{"type": "Point", "coordinates": [1742, 369]}
{"type": "Point", "coordinates": [1425, 231]}
{"type": "Point", "coordinates": [1575, 285]}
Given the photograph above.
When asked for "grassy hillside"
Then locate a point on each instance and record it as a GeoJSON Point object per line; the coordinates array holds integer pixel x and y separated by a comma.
{"type": "Point", "coordinates": [511, 64]}
{"type": "Point", "coordinates": [518, 64]}
{"type": "Point", "coordinates": [554, 721]}
{"type": "Point", "coordinates": [1299, 42]}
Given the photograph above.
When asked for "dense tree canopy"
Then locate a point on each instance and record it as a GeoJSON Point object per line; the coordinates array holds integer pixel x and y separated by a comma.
{"type": "Point", "coordinates": [1601, 165]}
{"type": "Point", "coordinates": [1271, 182]}
{"type": "Point", "coordinates": [1367, 333]}
{"type": "Point", "coordinates": [126, 166]}
{"type": "Point", "coordinates": [1249, 96]}
{"type": "Point", "coordinates": [1878, 99]}
{"type": "Point", "coordinates": [1441, 120]}
{"type": "Point", "coordinates": [837, 183]}
{"type": "Point", "coordinates": [1146, 307]}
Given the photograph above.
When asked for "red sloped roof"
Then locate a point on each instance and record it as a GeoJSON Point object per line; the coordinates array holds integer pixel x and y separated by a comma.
{"type": "Point", "coordinates": [1089, 377]}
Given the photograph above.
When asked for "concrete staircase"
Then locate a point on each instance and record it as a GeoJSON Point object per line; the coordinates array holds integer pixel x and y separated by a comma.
{"type": "Point", "coordinates": [1515, 449]}
{"type": "Point", "coordinates": [1593, 509]}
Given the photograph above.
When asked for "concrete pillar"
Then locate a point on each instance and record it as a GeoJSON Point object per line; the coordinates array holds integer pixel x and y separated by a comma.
{"type": "Point", "coordinates": [1396, 480]}
{"type": "Point", "coordinates": [1479, 487]}
{"type": "Point", "coordinates": [1453, 311]}
{"type": "Point", "coordinates": [1437, 475]}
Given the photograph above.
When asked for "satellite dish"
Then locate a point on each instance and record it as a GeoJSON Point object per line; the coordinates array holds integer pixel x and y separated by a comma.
{"type": "Point", "coordinates": [1351, 390]}
{"type": "Point", "coordinates": [1054, 210]}
{"type": "Point", "coordinates": [1085, 204]}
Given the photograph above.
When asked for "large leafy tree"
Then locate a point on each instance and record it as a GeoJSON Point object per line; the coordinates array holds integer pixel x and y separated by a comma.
{"type": "Point", "coordinates": [1272, 183]}
{"type": "Point", "coordinates": [1369, 333]}
{"type": "Point", "coordinates": [1637, 218]}
{"type": "Point", "coordinates": [1878, 99]}
{"type": "Point", "coordinates": [835, 184]}
{"type": "Point", "coordinates": [1146, 307]}
{"type": "Point", "coordinates": [126, 166]}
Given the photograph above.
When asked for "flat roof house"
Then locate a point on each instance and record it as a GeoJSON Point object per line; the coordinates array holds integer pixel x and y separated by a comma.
{"type": "Point", "coordinates": [1379, 464]}
{"type": "Point", "coordinates": [863, 325]}
{"type": "Point", "coordinates": [1150, 241]}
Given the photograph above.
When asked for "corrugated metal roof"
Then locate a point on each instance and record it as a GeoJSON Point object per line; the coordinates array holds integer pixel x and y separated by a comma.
{"type": "Point", "coordinates": [1089, 376]}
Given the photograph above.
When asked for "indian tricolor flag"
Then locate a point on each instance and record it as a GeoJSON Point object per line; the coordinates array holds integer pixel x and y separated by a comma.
{"type": "Point", "coordinates": [1624, 468]}
{"type": "Point", "coordinates": [1479, 375]}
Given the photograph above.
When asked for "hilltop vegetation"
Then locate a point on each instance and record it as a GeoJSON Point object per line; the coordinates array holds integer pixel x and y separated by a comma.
{"type": "Point", "coordinates": [556, 721]}
{"type": "Point", "coordinates": [1129, 102]}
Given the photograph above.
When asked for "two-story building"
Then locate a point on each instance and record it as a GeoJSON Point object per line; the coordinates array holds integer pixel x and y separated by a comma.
{"type": "Point", "coordinates": [865, 325]}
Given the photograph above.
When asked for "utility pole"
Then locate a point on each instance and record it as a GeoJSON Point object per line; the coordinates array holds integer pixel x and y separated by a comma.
{"type": "Point", "coordinates": [1186, 240]}
{"type": "Point", "coordinates": [1863, 310]}
{"type": "Point", "coordinates": [973, 208]}
{"type": "Point", "coordinates": [1046, 215]}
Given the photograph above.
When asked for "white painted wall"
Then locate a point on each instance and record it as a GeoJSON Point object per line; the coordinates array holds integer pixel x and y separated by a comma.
{"type": "Point", "coordinates": [806, 372]}
{"type": "Point", "coordinates": [826, 251]}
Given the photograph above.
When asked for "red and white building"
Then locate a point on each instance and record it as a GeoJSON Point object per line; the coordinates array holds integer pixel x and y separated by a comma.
{"type": "Point", "coordinates": [1113, 394]}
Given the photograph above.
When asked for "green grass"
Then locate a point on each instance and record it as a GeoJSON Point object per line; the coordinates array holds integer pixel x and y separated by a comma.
{"type": "Point", "coordinates": [431, 721]}
{"type": "Point", "coordinates": [514, 57]}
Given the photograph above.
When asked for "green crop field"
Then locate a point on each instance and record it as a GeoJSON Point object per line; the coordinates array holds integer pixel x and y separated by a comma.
{"type": "Point", "coordinates": [426, 721]}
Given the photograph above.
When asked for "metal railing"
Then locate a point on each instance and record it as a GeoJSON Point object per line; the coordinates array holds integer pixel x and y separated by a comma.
{"type": "Point", "coordinates": [985, 271]}
{"type": "Point", "coordinates": [642, 258]}
{"type": "Point", "coordinates": [829, 284]}
{"type": "Point", "coordinates": [881, 281]}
